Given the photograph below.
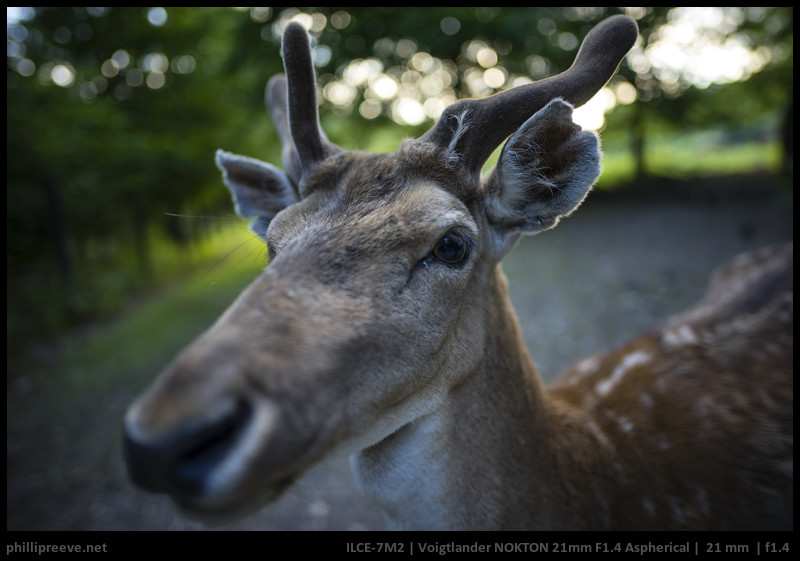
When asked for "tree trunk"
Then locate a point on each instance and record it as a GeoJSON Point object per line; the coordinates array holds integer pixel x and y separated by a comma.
{"type": "Point", "coordinates": [141, 244]}
{"type": "Point", "coordinates": [638, 141]}
{"type": "Point", "coordinates": [58, 225]}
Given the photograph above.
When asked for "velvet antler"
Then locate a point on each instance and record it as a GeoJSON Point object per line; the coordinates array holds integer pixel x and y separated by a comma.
{"type": "Point", "coordinates": [491, 120]}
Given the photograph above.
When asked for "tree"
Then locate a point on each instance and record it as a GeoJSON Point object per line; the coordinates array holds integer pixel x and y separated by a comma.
{"type": "Point", "coordinates": [114, 113]}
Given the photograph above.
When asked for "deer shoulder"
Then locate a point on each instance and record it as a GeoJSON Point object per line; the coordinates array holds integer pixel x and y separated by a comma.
{"type": "Point", "coordinates": [382, 328]}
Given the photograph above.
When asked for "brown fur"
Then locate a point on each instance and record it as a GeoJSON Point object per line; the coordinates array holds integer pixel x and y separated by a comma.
{"type": "Point", "coordinates": [382, 328]}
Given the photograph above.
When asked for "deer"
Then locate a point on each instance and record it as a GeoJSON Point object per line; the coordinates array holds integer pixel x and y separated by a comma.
{"type": "Point", "coordinates": [382, 329]}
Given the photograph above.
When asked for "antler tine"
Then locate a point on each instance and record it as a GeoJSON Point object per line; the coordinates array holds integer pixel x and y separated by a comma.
{"type": "Point", "coordinates": [312, 146]}
{"type": "Point", "coordinates": [498, 116]}
{"type": "Point", "coordinates": [275, 98]}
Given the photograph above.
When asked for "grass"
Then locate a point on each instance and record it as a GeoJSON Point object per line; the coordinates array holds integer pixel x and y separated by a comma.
{"type": "Point", "coordinates": [152, 327]}
{"type": "Point", "coordinates": [684, 157]}
{"type": "Point", "coordinates": [195, 285]}
{"type": "Point", "coordinates": [149, 333]}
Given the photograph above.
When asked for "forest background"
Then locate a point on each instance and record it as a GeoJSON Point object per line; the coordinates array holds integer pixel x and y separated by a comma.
{"type": "Point", "coordinates": [122, 244]}
{"type": "Point", "coordinates": [114, 114]}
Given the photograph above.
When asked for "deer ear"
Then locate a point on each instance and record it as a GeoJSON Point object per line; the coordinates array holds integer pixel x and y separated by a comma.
{"type": "Point", "coordinates": [259, 189]}
{"type": "Point", "coordinates": [544, 172]}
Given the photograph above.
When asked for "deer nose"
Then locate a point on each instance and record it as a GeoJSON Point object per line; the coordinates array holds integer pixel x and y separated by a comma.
{"type": "Point", "coordinates": [182, 461]}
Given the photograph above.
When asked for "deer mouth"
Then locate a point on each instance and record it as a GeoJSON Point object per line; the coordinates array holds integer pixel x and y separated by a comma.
{"type": "Point", "coordinates": [210, 446]}
{"type": "Point", "coordinates": [211, 470]}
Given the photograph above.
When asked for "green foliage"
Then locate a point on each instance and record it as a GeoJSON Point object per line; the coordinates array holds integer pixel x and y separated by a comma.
{"type": "Point", "coordinates": [147, 335]}
{"type": "Point", "coordinates": [159, 326]}
{"type": "Point", "coordinates": [114, 114]}
{"type": "Point", "coordinates": [689, 156]}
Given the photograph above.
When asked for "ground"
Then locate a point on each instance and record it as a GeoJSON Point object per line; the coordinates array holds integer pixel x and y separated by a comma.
{"type": "Point", "coordinates": [620, 266]}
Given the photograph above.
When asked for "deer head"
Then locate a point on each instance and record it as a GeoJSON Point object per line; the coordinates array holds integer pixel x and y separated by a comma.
{"type": "Point", "coordinates": [382, 295]}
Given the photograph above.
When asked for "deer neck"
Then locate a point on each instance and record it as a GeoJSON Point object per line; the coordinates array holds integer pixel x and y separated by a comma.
{"type": "Point", "coordinates": [478, 459]}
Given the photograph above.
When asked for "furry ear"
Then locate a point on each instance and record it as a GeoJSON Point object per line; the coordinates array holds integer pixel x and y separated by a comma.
{"type": "Point", "coordinates": [544, 172]}
{"type": "Point", "coordinates": [259, 189]}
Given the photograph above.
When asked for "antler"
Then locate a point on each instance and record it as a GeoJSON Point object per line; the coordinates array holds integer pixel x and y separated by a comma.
{"type": "Point", "coordinates": [275, 98]}
{"type": "Point", "coordinates": [305, 145]}
{"type": "Point", "coordinates": [498, 116]}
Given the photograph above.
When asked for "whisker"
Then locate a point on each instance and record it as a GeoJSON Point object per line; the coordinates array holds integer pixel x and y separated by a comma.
{"type": "Point", "coordinates": [197, 216]}
{"type": "Point", "coordinates": [234, 249]}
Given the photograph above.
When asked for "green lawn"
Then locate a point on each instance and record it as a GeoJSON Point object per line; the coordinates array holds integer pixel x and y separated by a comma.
{"type": "Point", "coordinates": [686, 157]}
{"type": "Point", "coordinates": [195, 284]}
{"type": "Point", "coordinates": [153, 326]}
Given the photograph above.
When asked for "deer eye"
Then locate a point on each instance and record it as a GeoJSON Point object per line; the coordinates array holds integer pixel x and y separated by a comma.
{"type": "Point", "coordinates": [451, 249]}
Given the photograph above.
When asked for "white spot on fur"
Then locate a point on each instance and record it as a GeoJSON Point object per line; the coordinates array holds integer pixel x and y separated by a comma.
{"type": "Point", "coordinates": [681, 335]}
{"type": "Point", "coordinates": [646, 400]}
{"type": "Point", "coordinates": [598, 433]}
{"type": "Point", "coordinates": [629, 361]}
{"type": "Point", "coordinates": [678, 513]}
{"type": "Point", "coordinates": [702, 501]}
{"type": "Point", "coordinates": [625, 424]}
{"type": "Point", "coordinates": [587, 365]}
{"type": "Point", "coordinates": [649, 507]}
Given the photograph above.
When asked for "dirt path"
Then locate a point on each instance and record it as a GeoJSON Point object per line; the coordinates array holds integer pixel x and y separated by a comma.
{"type": "Point", "coordinates": [620, 266]}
